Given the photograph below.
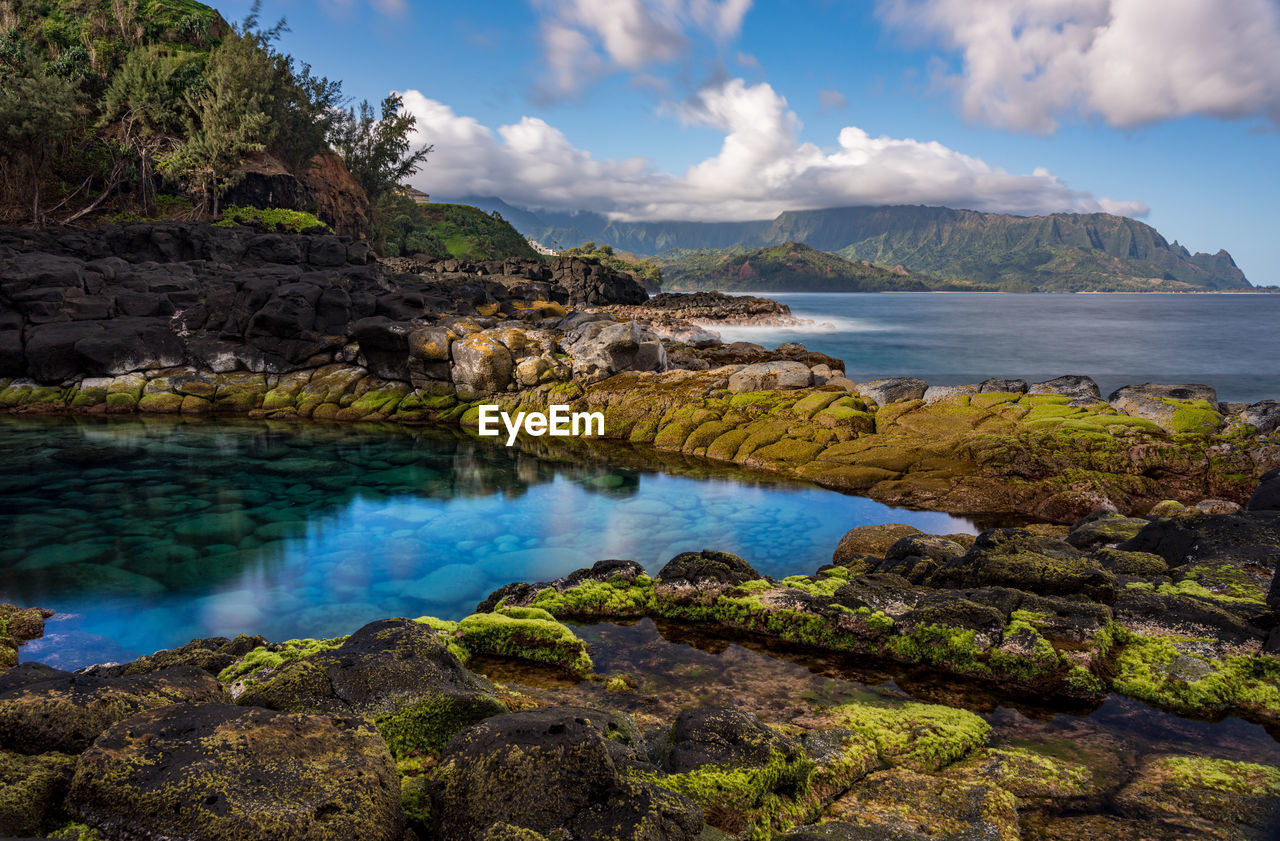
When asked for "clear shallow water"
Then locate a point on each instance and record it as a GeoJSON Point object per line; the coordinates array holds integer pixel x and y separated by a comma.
{"type": "Point", "coordinates": [145, 534]}
{"type": "Point", "coordinates": [1231, 342]}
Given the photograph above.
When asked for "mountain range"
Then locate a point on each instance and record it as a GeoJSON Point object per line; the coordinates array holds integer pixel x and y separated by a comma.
{"type": "Point", "coordinates": [941, 247]}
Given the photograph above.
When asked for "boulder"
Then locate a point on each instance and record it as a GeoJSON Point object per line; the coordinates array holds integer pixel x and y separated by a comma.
{"type": "Point", "coordinates": [549, 770]}
{"type": "Point", "coordinates": [44, 710]}
{"type": "Point", "coordinates": [1174, 408]}
{"type": "Point", "coordinates": [218, 772]}
{"type": "Point", "coordinates": [768, 376]}
{"type": "Point", "coordinates": [916, 557]}
{"type": "Point", "coordinates": [601, 350]}
{"type": "Point", "coordinates": [1103, 529]}
{"type": "Point", "coordinates": [934, 393]}
{"type": "Point", "coordinates": [211, 655]}
{"type": "Point", "coordinates": [998, 386]}
{"type": "Point", "coordinates": [897, 390]}
{"type": "Point", "coordinates": [1018, 559]}
{"type": "Point", "coordinates": [723, 737]}
{"type": "Point", "coordinates": [481, 365]}
{"type": "Point", "coordinates": [1266, 497]}
{"type": "Point", "coordinates": [397, 672]}
{"type": "Point", "coordinates": [1263, 416]}
{"type": "Point", "coordinates": [589, 283]}
{"type": "Point", "coordinates": [1244, 538]}
{"type": "Point", "coordinates": [32, 789]}
{"type": "Point", "coordinates": [871, 540]}
{"type": "Point", "coordinates": [695, 569]}
{"type": "Point", "coordinates": [1075, 387]}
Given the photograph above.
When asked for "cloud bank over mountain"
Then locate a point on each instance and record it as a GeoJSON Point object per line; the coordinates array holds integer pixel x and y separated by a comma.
{"type": "Point", "coordinates": [762, 168]}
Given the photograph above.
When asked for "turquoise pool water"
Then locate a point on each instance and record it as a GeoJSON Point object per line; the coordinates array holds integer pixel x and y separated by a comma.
{"type": "Point", "coordinates": [145, 534]}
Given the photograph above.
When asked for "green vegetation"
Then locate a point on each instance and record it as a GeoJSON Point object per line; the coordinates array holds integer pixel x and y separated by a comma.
{"type": "Point", "coordinates": [644, 270]}
{"type": "Point", "coordinates": [530, 634]}
{"type": "Point", "coordinates": [274, 656]}
{"type": "Point", "coordinates": [446, 230]}
{"type": "Point", "coordinates": [277, 219]}
{"type": "Point", "coordinates": [1247, 778]}
{"type": "Point", "coordinates": [107, 105]}
{"type": "Point", "coordinates": [922, 737]}
{"type": "Point", "coordinates": [789, 267]}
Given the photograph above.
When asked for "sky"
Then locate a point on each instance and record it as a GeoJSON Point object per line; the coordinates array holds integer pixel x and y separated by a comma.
{"type": "Point", "coordinates": [740, 109]}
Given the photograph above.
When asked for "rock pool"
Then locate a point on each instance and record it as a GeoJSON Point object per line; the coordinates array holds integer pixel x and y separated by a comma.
{"type": "Point", "coordinates": [146, 533]}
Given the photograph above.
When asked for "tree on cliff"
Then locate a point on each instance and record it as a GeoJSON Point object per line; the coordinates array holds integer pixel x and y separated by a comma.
{"type": "Point", "coordinates": [40, 113]}
{"type": "Point", "coordinates": [380, 154]}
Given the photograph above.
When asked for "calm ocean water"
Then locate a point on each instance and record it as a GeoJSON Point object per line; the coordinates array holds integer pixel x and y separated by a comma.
{"type": "Point", "coordinates": [1231, 342]}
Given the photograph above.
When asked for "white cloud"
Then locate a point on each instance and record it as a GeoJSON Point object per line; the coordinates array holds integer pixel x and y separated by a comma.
{"type": "Point", "coordinates": [762, 167]}
{"type": "Point", "coordinates": [1027, 63]}
{"type": "Point", "coordinates": [584, 39]}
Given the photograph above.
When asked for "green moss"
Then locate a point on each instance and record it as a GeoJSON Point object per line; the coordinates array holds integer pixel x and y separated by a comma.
{"type": "Point", "coordinates": [1025, 653]}
{"type": "Point", "coordinates": [534, 637]}
{"type": "Point", "coordinates": [824, 586]}
{"type": "Point", "coordinates": [1193, 416]}
{"type": "Point", "coordinates": [1173, 672]}
{"type": "Point", "coordinates": [750, 800]}
{"type": "Point", "coordinates": [1247, 778]}
{"type": "Point", "coordinates": [76, 832]}
{"type": "Point", "coordinates": [275, 218]}
{"type": "Point", "coordinates": [922, 737]}
{"type": "Point", "coordinates": [954, 649]}
{"type": "Point", "coordinates": [428, 726]}
{"type": "Point", "coordinates": [275, 655]}
{"type": "Point", "coordinates": [1189, 587]}
{"type": "Point", "coordinates": [617, 598]}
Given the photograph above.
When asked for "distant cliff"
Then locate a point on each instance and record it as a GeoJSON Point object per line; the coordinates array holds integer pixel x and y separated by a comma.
{"type": "Point", "coordinates": [943, 247]}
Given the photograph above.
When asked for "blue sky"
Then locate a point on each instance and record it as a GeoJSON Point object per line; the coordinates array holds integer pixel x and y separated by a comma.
{"type": "Point", "coordinates": [733, 109]}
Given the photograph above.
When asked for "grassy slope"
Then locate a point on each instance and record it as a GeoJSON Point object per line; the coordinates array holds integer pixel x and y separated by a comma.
{"type": "Point", "coordinates": [790, 267]}
{"type": "Point", "coordinates": [472, 234]}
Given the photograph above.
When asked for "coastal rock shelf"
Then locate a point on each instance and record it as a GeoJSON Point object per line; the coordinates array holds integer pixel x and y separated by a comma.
{"type": "Point", "coordinates": [393, 732]}
{"type": "Point", "coordinates": [193, 320]}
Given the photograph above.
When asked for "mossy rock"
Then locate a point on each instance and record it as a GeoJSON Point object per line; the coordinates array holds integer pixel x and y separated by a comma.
{"type": "Point", "coordinates": [528, 634]}
{"type": "Point", "coordinates": [547, 770]}
{"type": "Point", "coordinates": [921, 737]}
{"type": "Point", "coordinates": [225, 773]}
{"type": "Point", "coordinates": [32, 789]}
{"type": "Point", "coordinates": [44, 710]}
{"type": "Point", "coordinates": [1216, 797]}
{"type": "Point", "coordinates": [396, 671]}
{"type": "Point", "coordinates": [904, 801]}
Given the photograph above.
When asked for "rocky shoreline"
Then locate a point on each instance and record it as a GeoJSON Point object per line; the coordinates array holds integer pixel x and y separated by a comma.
{"type": "Point", "coordinates": [194, 320]}
{"type": "Point", "coordinates": [394, 733]}
{"type": "Point", "coordinates": [1150, 577]}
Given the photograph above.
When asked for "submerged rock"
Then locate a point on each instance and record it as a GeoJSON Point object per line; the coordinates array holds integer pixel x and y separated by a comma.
{"type": "Point", "coordinates": [226, 773]}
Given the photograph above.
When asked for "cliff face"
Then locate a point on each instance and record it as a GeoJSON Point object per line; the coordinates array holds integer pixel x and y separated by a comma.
{"type": "Point", "coordinates": [1058, 252]}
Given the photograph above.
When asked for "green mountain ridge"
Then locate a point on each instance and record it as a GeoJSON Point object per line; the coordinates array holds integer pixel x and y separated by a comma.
{"type": "Point", "coordinates": [790, 267]}
{"type": "Point", "coordinates": [943, 247]}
